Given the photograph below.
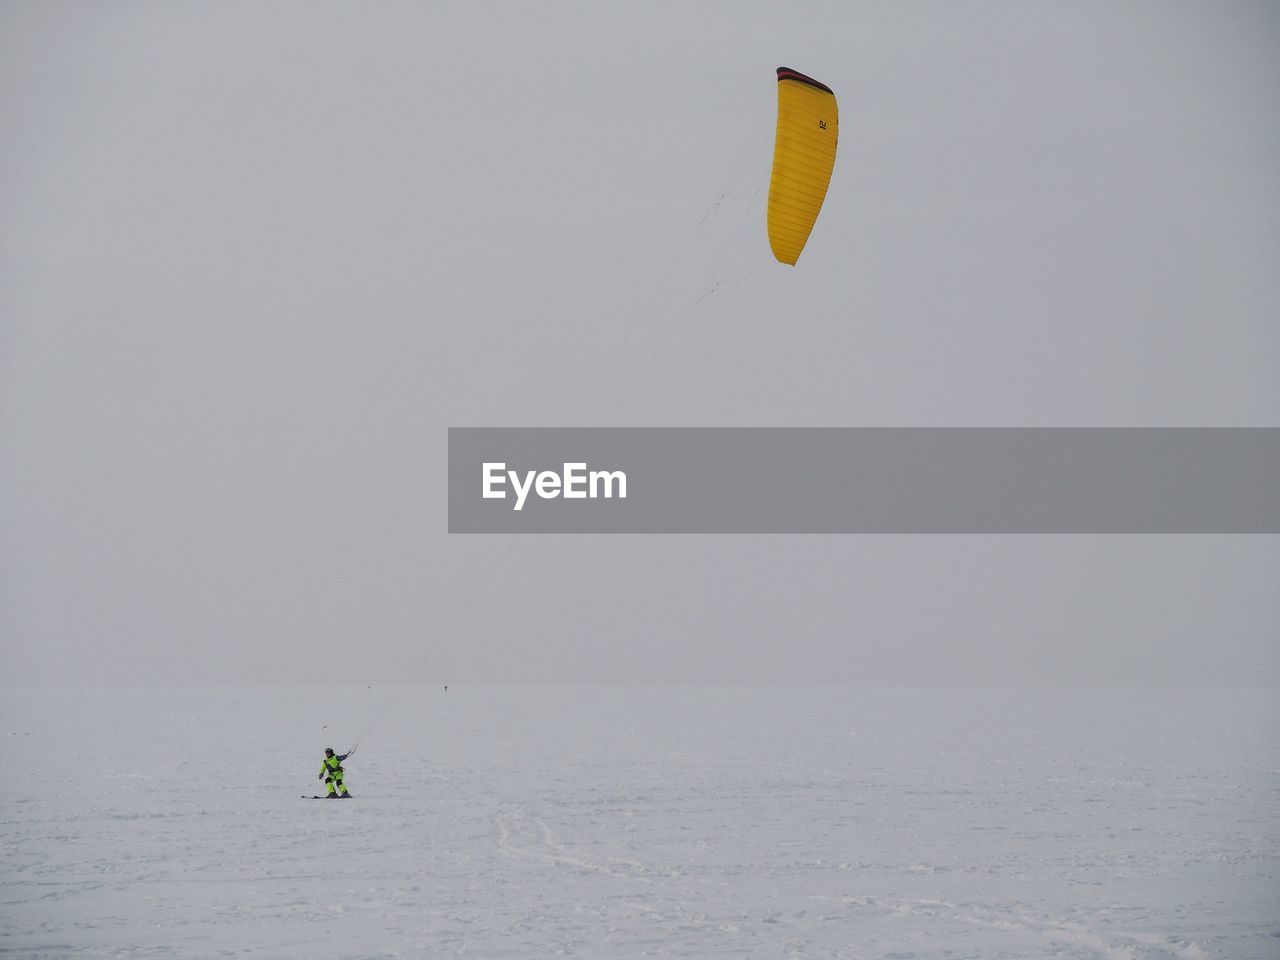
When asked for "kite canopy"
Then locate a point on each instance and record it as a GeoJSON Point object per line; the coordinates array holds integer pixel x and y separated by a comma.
{"type": "Point", "coordinates": [804, 153]}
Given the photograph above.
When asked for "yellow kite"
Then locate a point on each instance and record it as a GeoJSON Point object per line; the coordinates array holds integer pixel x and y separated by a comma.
{"type": "Point", "coordinates": [804, 152]}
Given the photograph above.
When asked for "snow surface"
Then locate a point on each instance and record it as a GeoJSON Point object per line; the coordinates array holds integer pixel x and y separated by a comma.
{"type": "Point", "coordinates": [628, 822]}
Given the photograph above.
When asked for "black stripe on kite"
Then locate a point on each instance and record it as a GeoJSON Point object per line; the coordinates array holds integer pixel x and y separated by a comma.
{"type": "Point", "coordinates": [786, 73]}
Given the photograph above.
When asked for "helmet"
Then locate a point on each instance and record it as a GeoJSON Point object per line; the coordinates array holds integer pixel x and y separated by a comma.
{"type": "Point", "coordinates": [328, 751]}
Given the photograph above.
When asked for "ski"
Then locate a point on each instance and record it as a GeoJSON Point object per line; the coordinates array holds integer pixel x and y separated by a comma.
{"type": "Point", "coordinates": [318, 797]}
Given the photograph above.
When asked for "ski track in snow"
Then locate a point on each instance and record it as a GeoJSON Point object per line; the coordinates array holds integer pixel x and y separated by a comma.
{"type": "Point", "coordinates": [526, 823]}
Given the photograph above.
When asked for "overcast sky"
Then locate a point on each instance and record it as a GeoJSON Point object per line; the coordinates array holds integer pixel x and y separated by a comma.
{"type": "Point", "coordinates": [257, 258]}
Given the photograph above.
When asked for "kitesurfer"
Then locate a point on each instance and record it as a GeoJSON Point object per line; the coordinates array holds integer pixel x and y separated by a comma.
{"type": "Point", "coordinates": [331, 773]}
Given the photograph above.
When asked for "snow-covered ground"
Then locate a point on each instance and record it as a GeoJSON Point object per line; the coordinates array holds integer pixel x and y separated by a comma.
{"type": "Point", "coordinates": [627, 822]}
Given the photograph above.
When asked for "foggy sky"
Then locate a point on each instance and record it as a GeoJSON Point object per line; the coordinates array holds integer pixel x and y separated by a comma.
{"type": "Point", "coordinates": [256, 260]}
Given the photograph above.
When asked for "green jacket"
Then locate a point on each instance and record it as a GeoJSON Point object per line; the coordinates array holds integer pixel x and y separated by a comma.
{"type": "Point", "coordinates": [333, 765]}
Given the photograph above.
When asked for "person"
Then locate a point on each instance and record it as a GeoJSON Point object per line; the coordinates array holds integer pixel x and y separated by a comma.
{"type": "Point", "coordinates": [331, 773]}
